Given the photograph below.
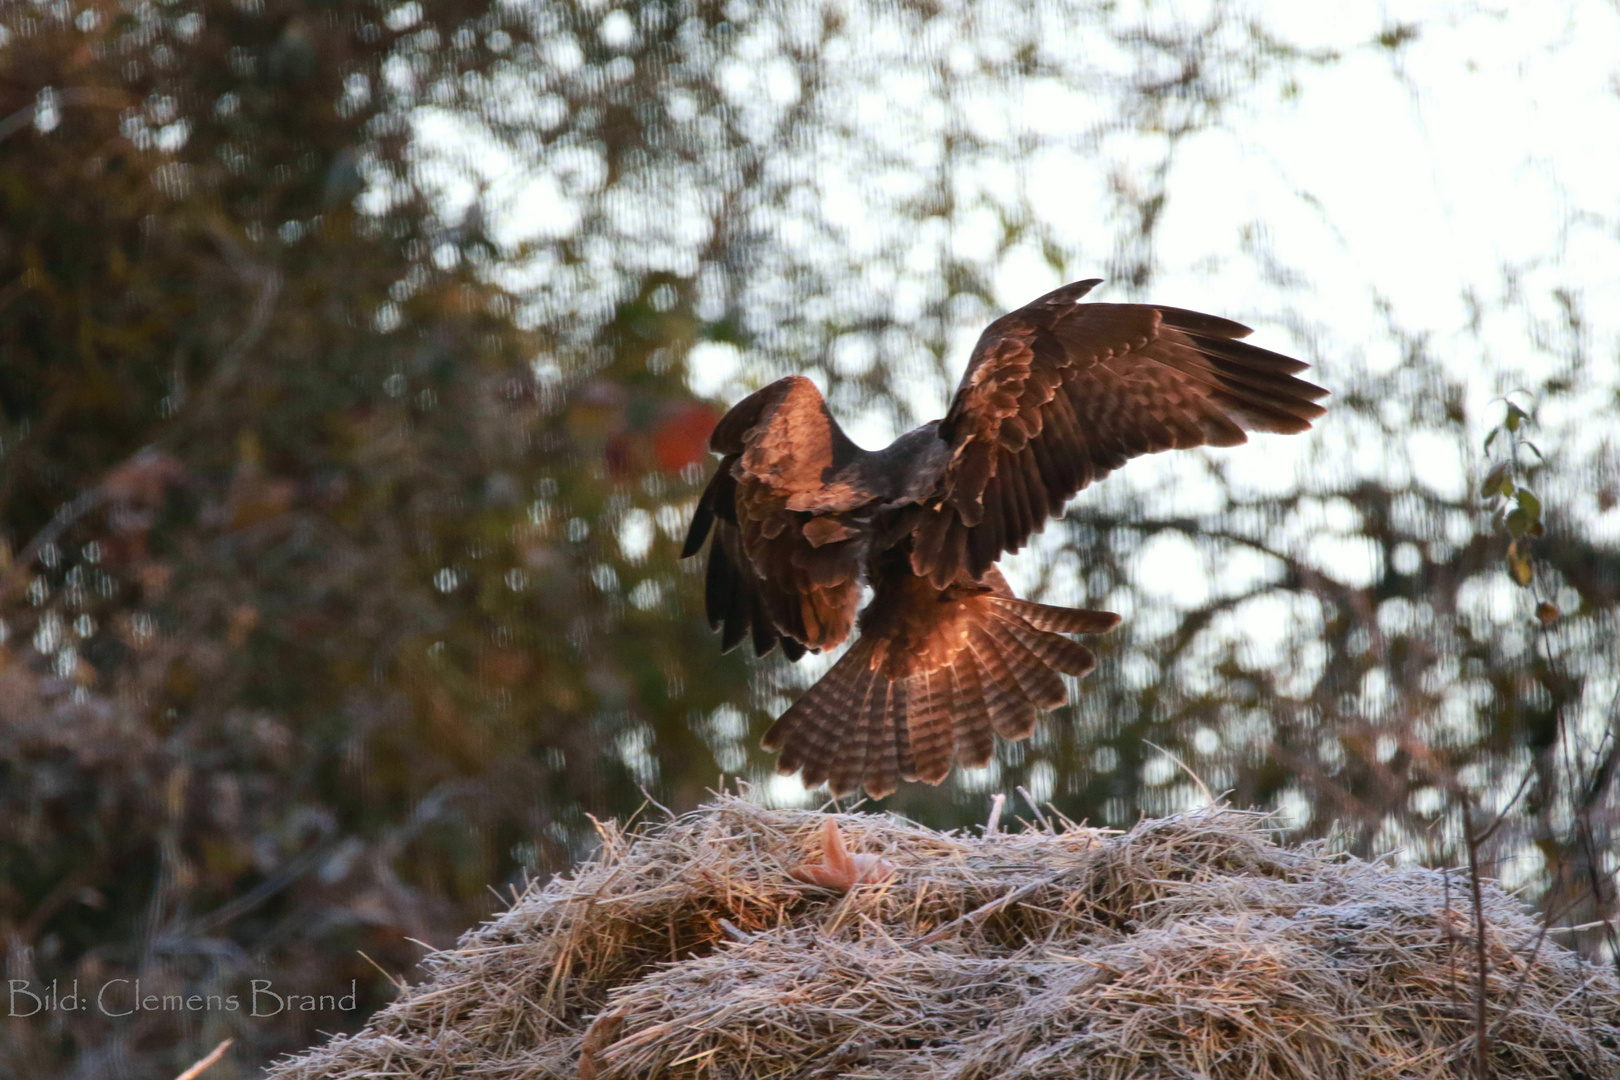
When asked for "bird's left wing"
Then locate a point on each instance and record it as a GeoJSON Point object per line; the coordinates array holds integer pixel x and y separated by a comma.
{"type": "Point", "coordinates": [1058, 394]}
{"type": "Point", "coordinates": [787, 555]}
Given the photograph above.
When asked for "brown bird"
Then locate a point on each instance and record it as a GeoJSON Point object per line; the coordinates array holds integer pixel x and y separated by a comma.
{"type": "Point", "coordinates": [1056, 395]}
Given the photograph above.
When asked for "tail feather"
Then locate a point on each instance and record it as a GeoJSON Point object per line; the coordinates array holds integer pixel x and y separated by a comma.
{"type": "Point", "coordinates": [1039, 683]}
{"type": "Point", "coordinates": [869, 724]}
{"type": "Point", "coordinates": [836, 752]}
{"type": "Point", "coordinates": [899, 708]}
{"type": "Point", "coordinates": [1012, 715]}
{"type": "Point", "coordinates": [1060, 620]}
{"type": "Point", "coordinates": [848, 768]}
{"type": "Point", "coordinates": [883, 756]}
{"type": "Point", "coordinates": [802, 736]}
{"type": "Point", "coordinates": [931, 734]}
{"type": "Point", "coordinates": [1056, 652]}
{"type": "Point", "coordinates": [809, 733]}
{"type": "Point", "coordinates": [971, 718]}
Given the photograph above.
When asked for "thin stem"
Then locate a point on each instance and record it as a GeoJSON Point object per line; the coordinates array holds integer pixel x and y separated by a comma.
{"type": "Point", "coordinates": [1482, 1031]}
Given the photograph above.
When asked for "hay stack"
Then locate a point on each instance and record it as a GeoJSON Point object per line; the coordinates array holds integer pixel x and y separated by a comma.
{"type": "Point", "coordinates": [1194, 946]}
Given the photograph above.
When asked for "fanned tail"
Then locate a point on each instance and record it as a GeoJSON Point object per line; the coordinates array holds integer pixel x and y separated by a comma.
{"type": "Point", "coordinates": [935, 675]}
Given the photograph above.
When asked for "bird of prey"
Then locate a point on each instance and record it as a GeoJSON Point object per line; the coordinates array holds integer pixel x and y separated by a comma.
{"type": "Point", "coordinates": [1056, 395]}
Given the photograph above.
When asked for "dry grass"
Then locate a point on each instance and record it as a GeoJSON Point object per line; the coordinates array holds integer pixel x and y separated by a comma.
{"type": "Point", "coordinates": [1193, 946]}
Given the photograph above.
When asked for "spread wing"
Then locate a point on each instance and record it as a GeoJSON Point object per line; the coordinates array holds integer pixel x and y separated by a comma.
{"type": "Point", "coordinates": [788, 548]}
{"type": "Point", "coordinates": [1058, 394]}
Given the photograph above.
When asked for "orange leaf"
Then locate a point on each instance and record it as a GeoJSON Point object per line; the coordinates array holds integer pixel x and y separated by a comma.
{"type": "Point", "coordinates": [682, 438]}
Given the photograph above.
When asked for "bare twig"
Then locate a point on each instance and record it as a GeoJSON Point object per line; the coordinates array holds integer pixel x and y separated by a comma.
{"type": "Point", "coordinates": [1482, 1031]}
{"type": "Point", "coordinates": [1534, 954]}
{"type": "Point", "coordinates": [234, 909]}
{"type": "Point", "coordinates": [996, 803]}
{"type": "Point", "coordinates": [1040, 817]}
{"type": "Point", "coordinates": [268, 282]}
{"type": "Point", "coordinates": [393, 980]}
{"type": "Point", "coordinates": [1208, 798]}
{"type": "Point", "coordinates": [1502, 816]}
{"type": "Point", "coordinates": [202, 1065]}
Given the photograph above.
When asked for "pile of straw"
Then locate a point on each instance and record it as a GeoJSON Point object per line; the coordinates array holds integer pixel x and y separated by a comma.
{"type": "Point", "coordinates": [1193, 946]}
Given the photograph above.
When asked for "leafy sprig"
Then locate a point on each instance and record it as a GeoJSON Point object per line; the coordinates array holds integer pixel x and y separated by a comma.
{"type": "Point", "coordinates": [1516, 509]}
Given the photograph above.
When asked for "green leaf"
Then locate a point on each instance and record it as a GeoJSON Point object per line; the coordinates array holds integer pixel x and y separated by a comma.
{"type": "Point", "coordinates": [1515, 416]}
{"type": "Point", "coordinates": [1494, 481]}
{"type": "Point", "coordinates": [1491, 438]}
{"type": "Point", "coordinates": [1519, 522]}
{"type": "Point", "coordinates": [1528, 503]}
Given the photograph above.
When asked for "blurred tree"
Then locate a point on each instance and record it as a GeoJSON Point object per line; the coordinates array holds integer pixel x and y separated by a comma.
{"type": "Point", "coordinates": [313, 618]}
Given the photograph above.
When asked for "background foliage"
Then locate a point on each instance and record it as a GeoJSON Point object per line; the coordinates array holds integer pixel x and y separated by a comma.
{"type": "Point", "coordinates": [356, 361]}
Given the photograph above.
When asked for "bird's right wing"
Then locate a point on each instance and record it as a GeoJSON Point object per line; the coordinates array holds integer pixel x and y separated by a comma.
{"type": "Point", "coordinates": [788, 551]}
{"type": "Point", "coordinates": [1059, 393]}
